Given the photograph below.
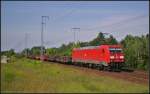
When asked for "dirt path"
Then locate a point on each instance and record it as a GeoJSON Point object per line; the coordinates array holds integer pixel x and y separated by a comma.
{"type": "Point", "coordinates": [139, 77]}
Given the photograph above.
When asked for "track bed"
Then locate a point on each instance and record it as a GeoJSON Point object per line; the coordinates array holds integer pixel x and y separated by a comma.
{"type": "Point", "coordinates": [139, 77]}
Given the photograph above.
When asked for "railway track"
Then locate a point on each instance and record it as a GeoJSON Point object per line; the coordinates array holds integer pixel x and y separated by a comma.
{"type": "Point", "coordinates": [127, 76]}
{"type": "Point", "coordinates": [138, 77]}
{"type": "Point", "coordinates": [135, 77]}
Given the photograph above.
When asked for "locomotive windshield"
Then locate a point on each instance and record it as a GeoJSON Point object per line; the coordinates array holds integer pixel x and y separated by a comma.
{"type": "Point", "coordinates": [115, 50]}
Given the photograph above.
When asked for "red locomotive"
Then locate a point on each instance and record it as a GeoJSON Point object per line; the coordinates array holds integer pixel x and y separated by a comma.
{"type": "Point", "coordinates": [102, 57]}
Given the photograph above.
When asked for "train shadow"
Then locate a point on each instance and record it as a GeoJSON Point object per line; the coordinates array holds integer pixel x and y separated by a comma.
{"type": "Point", "coordinates": [127, 70]}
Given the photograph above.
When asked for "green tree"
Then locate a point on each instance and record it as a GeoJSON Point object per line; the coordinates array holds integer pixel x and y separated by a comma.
{"type": "Point", "coordinates": [26, 52]}
{"type": "Point", "coordinates": [98, 40]}
{"type": "Point", "coordinates": [36, 50]}
{"type": "Point", "coordinates": [112, 40]}
{"type": "Point", "coordinates": [136, 51]}
{"type": "Point", "coordinates": [8, 53]}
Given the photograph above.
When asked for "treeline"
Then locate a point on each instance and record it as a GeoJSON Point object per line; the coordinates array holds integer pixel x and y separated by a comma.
{"type": "Point", "coordinates": [135, 48]}
{"type": "Point", "coordinates": [65, 49]}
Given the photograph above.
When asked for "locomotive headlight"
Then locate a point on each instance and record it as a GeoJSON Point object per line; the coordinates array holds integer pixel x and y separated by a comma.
{"type": "Point", "coordinates": [112, 57]}
{"type": "Point", "coordinates": [121, 57]}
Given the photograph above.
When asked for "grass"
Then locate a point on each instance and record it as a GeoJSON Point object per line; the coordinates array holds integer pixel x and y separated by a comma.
{"type": "Point", "coordinates": [24, 75]}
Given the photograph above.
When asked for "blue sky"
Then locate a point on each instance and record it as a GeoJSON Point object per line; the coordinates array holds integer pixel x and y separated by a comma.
{"type": "Point", "coordinates": [118, 18]}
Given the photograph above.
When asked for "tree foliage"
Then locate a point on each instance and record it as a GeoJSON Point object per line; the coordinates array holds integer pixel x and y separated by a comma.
{"type": "Point", "coordinates": [135, 48]}
{"type": "Point", "coordinates": [8, 53]}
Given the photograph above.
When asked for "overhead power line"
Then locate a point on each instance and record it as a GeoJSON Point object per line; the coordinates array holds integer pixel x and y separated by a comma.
{"type": "Point", "coordinates": [62, 17]}
{"type": "Point", "coordinates": [117, 23]}
{"type": "Point", "coordinates": [65, 15]}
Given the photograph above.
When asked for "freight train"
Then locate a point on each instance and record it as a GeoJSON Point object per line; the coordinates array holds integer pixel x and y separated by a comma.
{"type": "Point", "coordinates": [103, 57]}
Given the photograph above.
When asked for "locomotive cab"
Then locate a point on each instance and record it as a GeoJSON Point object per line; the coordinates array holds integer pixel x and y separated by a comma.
{"type": "Point", "coordinates": [116, 57]}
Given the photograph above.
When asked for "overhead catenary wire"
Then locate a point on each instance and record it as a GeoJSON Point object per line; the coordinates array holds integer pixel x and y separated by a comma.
{"type": "Point", "coordinates": [117, 23]}
{"type": "Point", "coordinates": [60, 18]}
{"type": "Point", "coordinates": [132, 19]}
{"type": "Point", "coordinates": [107, 26]}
